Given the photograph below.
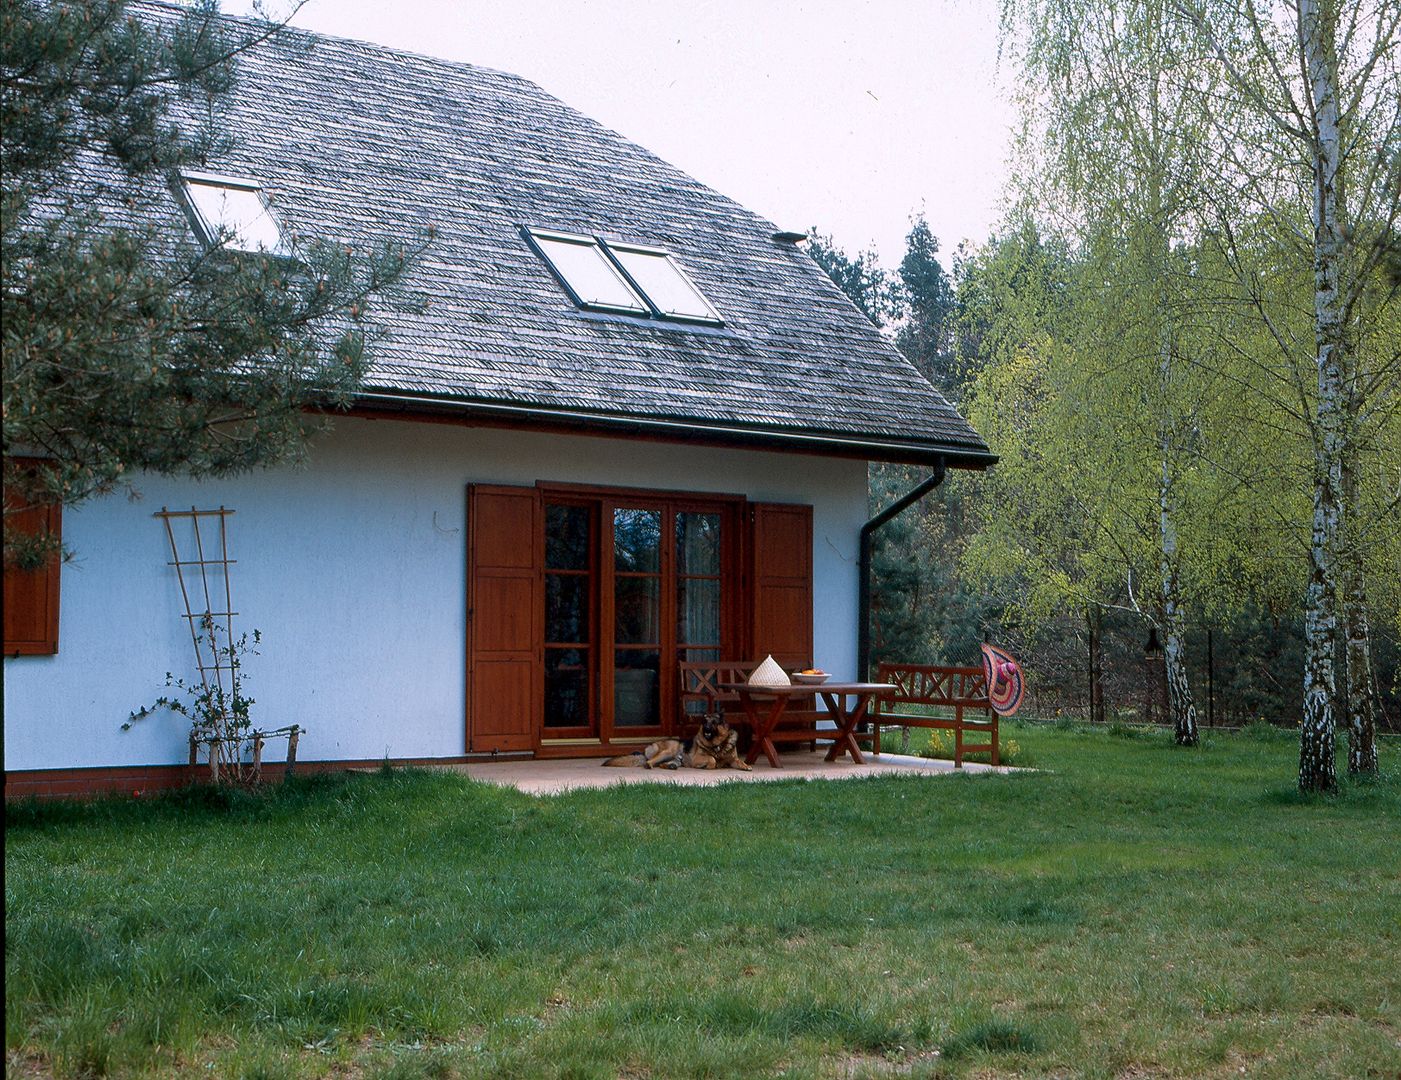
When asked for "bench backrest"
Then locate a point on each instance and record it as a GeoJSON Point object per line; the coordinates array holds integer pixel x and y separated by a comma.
{"type": "Point", "coordinates": [929, 684]}
{"type": "Point", "coordinates": [700, 681]}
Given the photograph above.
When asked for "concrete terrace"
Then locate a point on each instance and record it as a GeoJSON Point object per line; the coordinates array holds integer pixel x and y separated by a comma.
{"type": "Point", "coordinates": [553, 777]}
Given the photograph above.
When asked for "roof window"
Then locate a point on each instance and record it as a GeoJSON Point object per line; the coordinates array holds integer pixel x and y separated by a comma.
{"type": "Point", "coordinates": [590, 276]}
{"type": "Point", "coordinates": [659, 276]}
{"type": "Point", "coordinates": [232, 213]}
{"type": "Point", "coordinates": [631, 278]}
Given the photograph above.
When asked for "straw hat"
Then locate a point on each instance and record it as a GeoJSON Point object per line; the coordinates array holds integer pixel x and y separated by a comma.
{"type": "Point", "coordinates": [769, 674]}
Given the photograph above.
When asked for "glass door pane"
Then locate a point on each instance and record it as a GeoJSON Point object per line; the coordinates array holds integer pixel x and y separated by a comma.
{"type": "Point", "coordinates": [697, 543]}
{"type": "Point", "coordinates": [637, 540]}
{"type": "Point", "coordinates": [698, 585]}
{"type": "Point", "coordinates": [567, 689]}
{"type": "Point", "coordinates": [637, 625]}
{"type": "Point", "coordinates": [636, 688]}
{"type": "Point", "coordinates": [569, 621]}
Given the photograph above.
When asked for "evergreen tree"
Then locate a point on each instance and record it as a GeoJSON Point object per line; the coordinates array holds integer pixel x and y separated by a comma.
{"type": "Point", "coordinates": [929, 311]}
{"type": "Point", "coordinates": [866, 285]}
{"type": "Point", "coordinates": [920, 610]}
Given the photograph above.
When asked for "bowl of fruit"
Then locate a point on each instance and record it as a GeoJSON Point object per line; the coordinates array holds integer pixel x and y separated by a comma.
{"type": "Point", "coordinates": [811, 676]}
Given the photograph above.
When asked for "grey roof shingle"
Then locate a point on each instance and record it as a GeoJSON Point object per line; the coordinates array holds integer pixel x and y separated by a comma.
{"type": "Point", "coordinates": [358, 143]}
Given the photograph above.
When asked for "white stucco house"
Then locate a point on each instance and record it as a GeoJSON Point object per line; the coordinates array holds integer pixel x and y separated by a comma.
{"type": "Point", "coordinates": [629, 426]}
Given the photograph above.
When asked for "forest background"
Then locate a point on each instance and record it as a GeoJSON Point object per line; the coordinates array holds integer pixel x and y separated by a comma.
{"type": "Point", "coordinates": [1140, 344]}
{"type": "Point", "coordinates": [969, 562]}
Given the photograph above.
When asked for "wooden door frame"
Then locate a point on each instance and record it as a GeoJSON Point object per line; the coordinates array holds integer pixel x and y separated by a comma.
{"type": "Point", "coordinates": [733, 597]}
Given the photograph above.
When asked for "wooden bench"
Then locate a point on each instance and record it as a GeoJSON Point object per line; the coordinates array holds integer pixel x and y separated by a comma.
{"type": "Point", "coordinates": [956, 688]}
{"type": "Point", "coordinates": [700, 693]}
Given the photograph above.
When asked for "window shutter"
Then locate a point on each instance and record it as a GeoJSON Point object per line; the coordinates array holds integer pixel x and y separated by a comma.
{"type": "Point", "coordinates": [31, 596]}
{"type": "Point", "coordinates": [505, 618]}
{"type": "Point", "coordinates": [780, 551]}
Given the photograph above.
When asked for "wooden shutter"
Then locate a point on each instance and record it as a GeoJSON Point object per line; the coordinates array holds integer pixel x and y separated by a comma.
{"type": "Point", "coordinates": [780, 555]}
{"type": "Point", "coordinates": [31, 596]}
{"type": "Point", "coordinates": [505, 618]}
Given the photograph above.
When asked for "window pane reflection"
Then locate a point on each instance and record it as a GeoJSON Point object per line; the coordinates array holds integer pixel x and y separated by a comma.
{"type": "Point", "coordinates": [635, 688]}
{"type": "Point", "coordinates": [566, 608]}
{"type": "Point", "coordinates": [698, 611]}
{"type": "Point", "coordinates": [697, 543]}
{"type": "Point", "coordinates": [567, 537]}
{"type": "Point", "coordinates": [566, 688]}
{"type": "Point", "coordinates": [637, 540]}
{"type": "Point", "coordinates": [636, 611]}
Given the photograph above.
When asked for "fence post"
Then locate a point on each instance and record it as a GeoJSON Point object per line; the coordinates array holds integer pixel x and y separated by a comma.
{"type": "Point", "coordinates": [1210, 679]}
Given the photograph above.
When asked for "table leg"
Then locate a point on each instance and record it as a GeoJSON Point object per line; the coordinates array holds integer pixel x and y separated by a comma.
{"type": "Point", "coordinates": [762, 727]}
{"type": "Point", "coordinates": [845, 742]}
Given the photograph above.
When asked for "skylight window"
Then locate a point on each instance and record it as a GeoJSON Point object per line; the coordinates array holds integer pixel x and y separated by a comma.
{"type": "Point", "coordinates": [630, 278]}
{"type": "Point", "coordinates": [588, 273]}
{"type": "Point", "coordinates": [231, 212]}
{"type": "Point", "coordinates": [661, 279]}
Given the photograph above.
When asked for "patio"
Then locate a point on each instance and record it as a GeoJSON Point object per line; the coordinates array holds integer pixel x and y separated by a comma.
{"type": "Point", "coordinates": [551, 777]}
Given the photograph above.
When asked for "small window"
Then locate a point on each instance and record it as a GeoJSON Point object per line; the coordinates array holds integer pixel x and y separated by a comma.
{"type": "Point", "coordinates": [231, 212]}
{"type": "Point", "coordinates": [656, 272]}
{"type": "Point", "coordinates": [589, 275]}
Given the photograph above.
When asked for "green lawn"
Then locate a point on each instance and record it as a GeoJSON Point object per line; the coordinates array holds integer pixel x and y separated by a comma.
{"type": "Point", "coordinates": [1131, 910]}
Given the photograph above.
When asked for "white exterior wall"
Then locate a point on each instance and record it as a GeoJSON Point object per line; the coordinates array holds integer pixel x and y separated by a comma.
{"type": "Point", "coordinates": [354, 569]}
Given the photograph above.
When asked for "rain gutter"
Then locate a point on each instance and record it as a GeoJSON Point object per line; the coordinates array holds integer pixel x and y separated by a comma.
{"type": "Point", "coordinates": [856, 446]}
{"type": "Point", "coordinates": [863, 628]}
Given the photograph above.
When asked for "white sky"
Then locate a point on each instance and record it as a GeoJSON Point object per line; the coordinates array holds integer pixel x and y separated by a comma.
{"type": "Point", "coordinates": [845, 114]}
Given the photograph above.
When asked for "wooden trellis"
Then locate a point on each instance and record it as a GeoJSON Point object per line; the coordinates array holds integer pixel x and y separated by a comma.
{"type": "Point", "coordinates": [206, 618]}
{"type": "Point", "coordinates": [206, 589]}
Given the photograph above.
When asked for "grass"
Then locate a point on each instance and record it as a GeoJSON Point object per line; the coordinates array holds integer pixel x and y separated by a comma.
{"type": "Point", "coordinates": [1131, 910]}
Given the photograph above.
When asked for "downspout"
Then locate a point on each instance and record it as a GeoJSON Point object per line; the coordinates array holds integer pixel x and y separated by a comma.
{"type": "Point", "coordinates": [863, 630]}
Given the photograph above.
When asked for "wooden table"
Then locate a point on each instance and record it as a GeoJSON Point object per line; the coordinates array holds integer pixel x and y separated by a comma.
{"type": "Point", "coordinates": [765, 705]}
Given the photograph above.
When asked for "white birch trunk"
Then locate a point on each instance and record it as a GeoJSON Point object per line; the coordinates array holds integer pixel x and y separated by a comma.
{"type": "Point", "coordinates": [1179, 691]}
{"type": "Point", "coordinates": [1317, 771]}
{"type": "Point", "coordinates": [1359, 701]}
{"type": "Point", "coordinates": [1180, 705]}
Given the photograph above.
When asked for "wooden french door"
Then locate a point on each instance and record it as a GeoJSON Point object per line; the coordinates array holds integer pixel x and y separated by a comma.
{"type": "Point", "coordinates": [632, 585]}
{"type": "Point", "coordinates": [581, 601]}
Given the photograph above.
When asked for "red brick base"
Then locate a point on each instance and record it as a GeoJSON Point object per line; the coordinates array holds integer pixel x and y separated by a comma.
{"type": "Point", "coordinates": [88, 783]}
{"type": "Point", "coordinates": [143, 779]}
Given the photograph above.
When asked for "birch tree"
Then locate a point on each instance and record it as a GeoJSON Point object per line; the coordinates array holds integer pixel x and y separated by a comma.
{"type": "Point", "coordinates": [1371, 479]}
{"type": "Point", "coordinates": [1312, 122]}
{"type": "Point", "coordinates": [1121, 152]}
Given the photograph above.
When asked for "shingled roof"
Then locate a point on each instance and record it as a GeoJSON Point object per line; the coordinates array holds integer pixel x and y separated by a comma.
{"type": "Point", "coordinates": [357, 142]}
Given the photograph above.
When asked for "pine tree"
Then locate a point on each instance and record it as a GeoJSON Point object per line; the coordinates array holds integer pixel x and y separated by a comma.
{"type": "Point", "coordinates": [128, 345]}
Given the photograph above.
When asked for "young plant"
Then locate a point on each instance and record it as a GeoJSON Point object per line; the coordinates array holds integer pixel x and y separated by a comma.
{"type": "Point", "coordinates": [216, 705]}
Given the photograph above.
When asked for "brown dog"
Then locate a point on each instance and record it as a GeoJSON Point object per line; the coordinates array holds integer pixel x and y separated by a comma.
{"type": "Point", "coordinates": [662, 754]}
{"type": "Point", "coordinates": [716, 746]}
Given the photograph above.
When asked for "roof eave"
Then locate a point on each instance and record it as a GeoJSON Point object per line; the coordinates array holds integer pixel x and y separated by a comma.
{"type": "Point", "coordinates": [672, 429]}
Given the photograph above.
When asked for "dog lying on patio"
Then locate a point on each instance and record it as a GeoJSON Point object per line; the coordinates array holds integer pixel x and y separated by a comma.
{"type": "Point", "coordinates": [715, 746]}
{"type": "Point", "coordinates": [662, 754]}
